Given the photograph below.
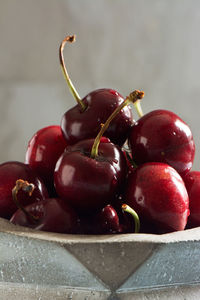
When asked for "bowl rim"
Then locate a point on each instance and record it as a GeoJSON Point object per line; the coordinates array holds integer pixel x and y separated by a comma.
{"type": "Point", "coordinates": [178, 236]}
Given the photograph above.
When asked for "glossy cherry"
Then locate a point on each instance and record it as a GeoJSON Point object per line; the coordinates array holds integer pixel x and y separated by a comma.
{"type": "Point", "coordinates": [44, 149]}
{"type": "Point", "coordinates": [110, 221]}
{"type": "Point", "coordinates": [161, 136]}
{"type": "Point", "coordinates": [158, 194]}
{"type": "Point", "coordinates": [10, 172]}
{"type": "Point", "coordinates": [89, 183]}
{"type": "Point", "coordinates": [192, 183]}
{"type": "Point", "coordinates": [104, 221]}
{"type": "Point", "coordinates": [51, 214]}
{"type": "Point", "coordinates": [107, 221]}
{"type": "Point", "coordinates": [83, 121]}
{"type": "Point", "coordinates": [90, 173]}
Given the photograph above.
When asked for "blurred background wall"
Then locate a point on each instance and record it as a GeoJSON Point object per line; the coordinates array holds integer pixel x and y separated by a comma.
{"type": "Point", "coordinates": [152, 45]}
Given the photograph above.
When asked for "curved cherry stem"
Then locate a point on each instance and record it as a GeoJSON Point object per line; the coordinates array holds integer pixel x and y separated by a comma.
{"type": "Point", "coordinates": [133, 213]}
{"type": "Point", "coordinates": [28, 188]}
{"type": "Point", "coordinates": [132, 98]}
{"type": "Point", "coordinates": [138, 108]}
{"type": "Point", "coordinates": [70, 39]}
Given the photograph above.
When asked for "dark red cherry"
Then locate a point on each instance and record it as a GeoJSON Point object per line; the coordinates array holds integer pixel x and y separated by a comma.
{"type": "Point", "coordinates": [89, 174]}
{"type": "Point", "coordinates": [44, 149]}
{"type": "Point", "coordinates": [89, 183]}
{"type": "Point", "coordinates": [161, 136]}
{"type": "Point", "coordinates": [104, 221]}
{"type": "Point", "coordinates": [10, 172]}
{"type": "Point", "coordinates": [107, 221]}
{"type": "Point", "coordinates": [192, 183]}
{"type": "Point", "coordinates": [158, 194]}
{"type": "Point", "coordinates": [51, 214]}
{"type": "Point", "coordinates": [77, 125]}
{"type": "Point", "coordinates": [84, 120]}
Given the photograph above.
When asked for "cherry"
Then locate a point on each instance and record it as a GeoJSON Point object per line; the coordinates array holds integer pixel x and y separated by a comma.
{"type": "Point", "coordinates": [157, 193]}
{"type": "Point", "coordinates": [104, 221]}
{"type": "Point", "coordinates": [83, 121]}
{"type": "Point", "coordinates": [90, 173]}
{"type": "Point", "coordinates": [89, 183]}
{"type": "Point", "coordinates": [128, 218]}
{"type": "Point", "coordinates": [192, 183]}
{"type": "Point", "coordinates": [51, 214]}
{"type": "Point", "coordinates": [107, 221]}
{"type": "Point", "coordinates": [10, 172]}
{"type": "Point", "coordinates": [44, 149]}
{"type": "Point", "coordinates": [161, 136]}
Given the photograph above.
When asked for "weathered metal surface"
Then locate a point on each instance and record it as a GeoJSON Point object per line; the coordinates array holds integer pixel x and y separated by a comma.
{"type": "Point", "coordinates": [39, 265]}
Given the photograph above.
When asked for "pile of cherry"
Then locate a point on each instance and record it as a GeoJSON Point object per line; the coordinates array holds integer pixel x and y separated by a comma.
{"type": "Point", "coordinates": [101, 172]}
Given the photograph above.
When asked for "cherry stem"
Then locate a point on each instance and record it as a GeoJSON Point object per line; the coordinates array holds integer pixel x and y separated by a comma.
{"type": "Point", "coordinates": [131, 160]}
{"type": "Point", "coordinates": [131, 211]}
{"type": "Point", "coordinates": [26, 187]}
{"type": "Point", "coordinates": [138, 108]}
{"type": "Point", "coordinates": [132, 98]}
{"type": "Point", "coordinates": [70, 39]}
